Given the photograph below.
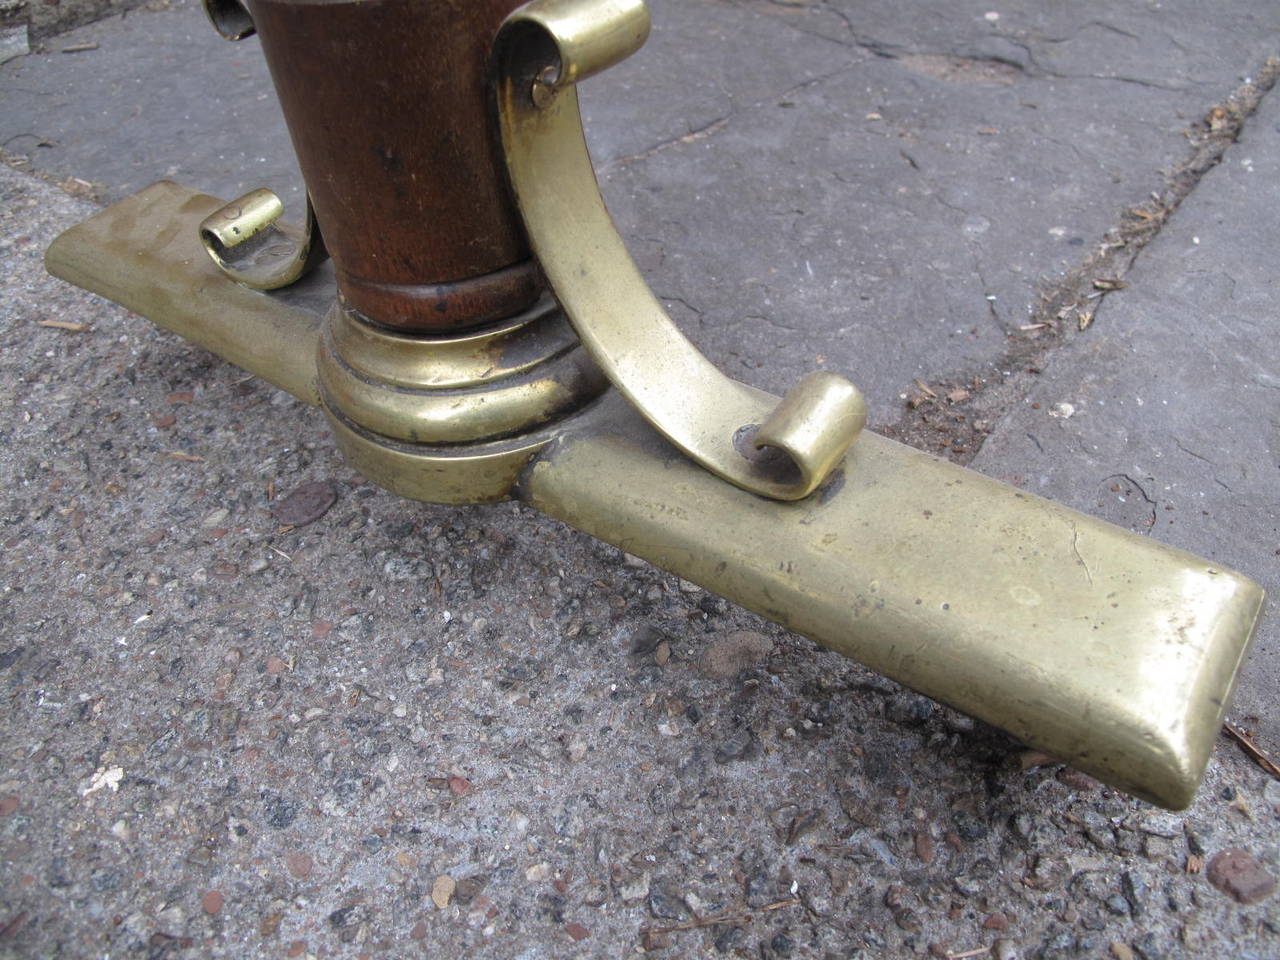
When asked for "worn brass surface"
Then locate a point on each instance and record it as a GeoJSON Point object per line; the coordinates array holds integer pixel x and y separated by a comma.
{"type": "Point", "coordinates": [145, 253]}
{"type": "Point", "coordinates": [467, 473]}
{"type": "Point", "coordinates": [542, 50]}
{"type": "Point", "coordinates": [1096, 645]}
{"type": "Point", "coordinates": [466, 389]}
{"type": "Point", "coordinates": [1099, 646]}
{"type": "Point", "coordinates": [249, 242]}
{"type": "Point", "coordinates": [518, 378]}
{"type": "Point", "coordinates": [514, 346]}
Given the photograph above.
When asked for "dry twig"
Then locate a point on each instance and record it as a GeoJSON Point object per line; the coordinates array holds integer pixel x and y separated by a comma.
{"type": "Point", "coordinates": [1252, 749]}
{"type": "Point", "coordinates": [65, 325]}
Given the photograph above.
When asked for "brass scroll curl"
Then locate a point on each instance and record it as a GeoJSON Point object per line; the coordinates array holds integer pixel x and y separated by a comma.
{"type": "Point", "coordinates": [250, 244]}
{"type": "Point", "coordinates": [779, 450]}
{"type": "Point", "coordinates": [231, 18]}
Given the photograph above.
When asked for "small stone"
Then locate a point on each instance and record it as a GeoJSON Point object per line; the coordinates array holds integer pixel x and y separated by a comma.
{"type": "Point", "coordinates": [665, 901]}
{"type": "Point", "coordinates": [350, 916]}
{"type": "Point", "coordinates": [577, 931]}
{"type": "Point", "coordinates": [1198, 837]}
{"type": "Point", "coordinates": [442, 890]}
{"type": "Point", "coordinates": [306, 504]}
{"type": "Point", "coordinates": [420, 930]}
{"type": "Point", "coordinates": [1121, 951]}
{"type": "Point", "coordinates": [1004, 950]}
{"type": "Point", "coordinates": [1149, 947]}
{"type": "Point", "coordinates": [997, 921]}
{"type": "Point", "coordinates": [763, 890]}
{"type": "Point", "coordinates": [296, 949]}
{"type": "Point", "coordinates": [1135, 891]}
{"type": "Point", "coordinates": [270, 924]}
{"type": "Point", "coordinates": [576, 749]}
{"type": "Point", "coordinates": [299, 864]}
{"type": "Point", "coordinates": [1238, 873]}
{"type": "Point", "coordinates": [1117, 905]}
{"type": "Point", "coordinates": [925, 847]}
{"type": "Point", "coordinates": [732, 652]}
{"type": "Point", "coordinates": [1161, 825]}
{"type": "Point", "coordinates": [276, 665]}
{"type": "Point", "coordinates": [646, 640]}
{"type": "Point", "coordinates": [538, 873]}
{"type": "Point", "coordinates": [739, 745]}
{"type": "Point", "coordinates": [908, 920]}
{"type": "Point", "coordinates": [910, 709]}
{"type": "Point", "coordinates": [662, 653]}
{"type": "Point", "coordinates": [469, 888]}
{"type": "Point", "coordinates": [8, 804]}
{"type": "Point", "coordinates": [635, 889]}
{"type": "Point", "coordinates": [460, 786]}
{"type": "Point", "coordinates": [212, 902]}
{"type": "Point", "coordinates": [278, 811]}
{"type": "Point", "coordinates": [652, 940]}
{"type": "Point", "coordinates": [216, 518]}
{"type": "Point", "coordinates": [225, 569]}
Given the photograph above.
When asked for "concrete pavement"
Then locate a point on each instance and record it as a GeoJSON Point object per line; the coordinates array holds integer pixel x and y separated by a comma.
{"type": "Point", "coordinates": [404, 728]}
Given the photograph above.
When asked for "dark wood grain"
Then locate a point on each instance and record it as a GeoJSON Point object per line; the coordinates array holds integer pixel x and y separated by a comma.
{"type": "Point", "coordinates": [387, 104]}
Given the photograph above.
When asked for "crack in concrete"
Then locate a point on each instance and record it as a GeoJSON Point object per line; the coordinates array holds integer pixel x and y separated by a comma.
{"type": "Point", "coordinates": [1142, 492]}
{"type": "Point", "coordinates": [777, 324]}
{"type": "Point", "coordinates": [1191, 453]}
{"type": "Point", "coordinates": [715, 126]}
{"type": "Point", "coordinates": [682, 301]}
{"type": "Point", "coordinates": [692, 136]}
{"type": "Point", "coordinates": [948, 431]}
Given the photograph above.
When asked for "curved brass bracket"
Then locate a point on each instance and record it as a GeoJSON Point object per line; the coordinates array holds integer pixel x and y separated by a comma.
{"type": "Point", "coordinates": [783, 451]}
{"type": "Point", "coordinates": [230, 18]}
{"type": "Point", "coordinates": [250, 244]}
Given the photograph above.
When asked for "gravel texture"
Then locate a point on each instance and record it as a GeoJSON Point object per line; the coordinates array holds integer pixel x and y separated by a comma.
{"type": "Point", "coordinates": [255, 707]}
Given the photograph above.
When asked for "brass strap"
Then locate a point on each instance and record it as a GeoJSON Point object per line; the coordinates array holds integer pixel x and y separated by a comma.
{"type": "Point", "coordinates": [779, 450]}
{"type": "Point", "coordinates": [251, 244]}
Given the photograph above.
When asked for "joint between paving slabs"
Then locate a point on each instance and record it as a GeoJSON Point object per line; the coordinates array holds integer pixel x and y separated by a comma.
{"type": "Point", "coordinates": [952, 414]}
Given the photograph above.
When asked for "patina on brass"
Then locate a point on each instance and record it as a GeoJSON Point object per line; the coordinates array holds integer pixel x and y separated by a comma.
{"type": "Point", "coordinates": [251, 244]}
{"type": "Point", "coordinates": [452, 419]}
{"type": "Point", "coordinates": [1099, 646]}
{"type": "Point", "coordinates": [542, 51]}
{"type": "Point", "coordinates": [1091, 643]}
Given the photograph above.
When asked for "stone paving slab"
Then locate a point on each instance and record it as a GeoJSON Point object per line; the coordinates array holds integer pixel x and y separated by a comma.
{"type": "Point", "coordinates": [786, 229]}
{"type": "Point", "coordinates": [1165, 416]}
